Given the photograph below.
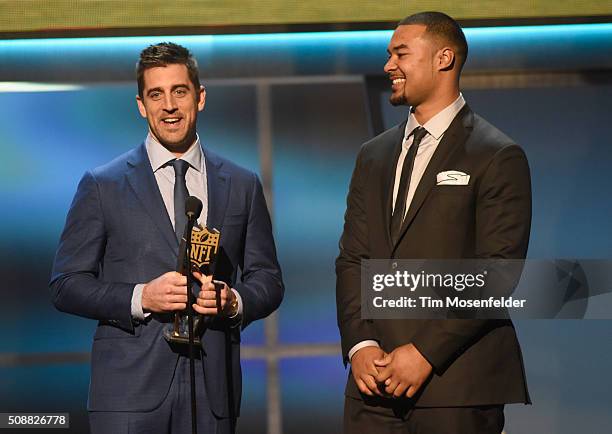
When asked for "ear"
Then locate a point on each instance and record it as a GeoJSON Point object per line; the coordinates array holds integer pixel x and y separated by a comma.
{"type": "Point", "coordinates": [201, 98]}
{"type": "Point", "coordinates": [445, 59]}
{"type": "Point", "coordinates": [141, 107]}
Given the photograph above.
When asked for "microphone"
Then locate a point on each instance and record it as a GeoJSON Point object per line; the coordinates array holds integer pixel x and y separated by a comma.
{"type": "Point", "coordinates": [193, 207]}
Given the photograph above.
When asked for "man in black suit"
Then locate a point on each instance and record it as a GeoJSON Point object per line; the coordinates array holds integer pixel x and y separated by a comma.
{"type": "Point", "coordinates": [444, 184]}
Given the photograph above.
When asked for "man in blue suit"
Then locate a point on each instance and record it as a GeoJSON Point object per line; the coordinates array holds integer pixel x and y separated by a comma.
{"type": "Point", "coordinates": [117, 255]}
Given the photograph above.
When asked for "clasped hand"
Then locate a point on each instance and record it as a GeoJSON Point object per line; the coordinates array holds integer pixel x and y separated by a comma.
{"type": "Point", "coordinates": [402, 372]}
{"type": "Point", "coordinates": [168, 293]}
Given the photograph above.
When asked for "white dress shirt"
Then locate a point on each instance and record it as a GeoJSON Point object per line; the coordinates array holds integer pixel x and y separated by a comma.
{"type": "Point", "coordinates": [436, 127]}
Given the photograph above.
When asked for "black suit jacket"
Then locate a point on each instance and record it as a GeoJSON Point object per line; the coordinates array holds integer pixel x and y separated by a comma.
{"type": "Point", "coordinates": [475, 362]}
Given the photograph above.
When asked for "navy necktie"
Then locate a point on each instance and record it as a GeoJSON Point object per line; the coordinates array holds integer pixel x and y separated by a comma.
{"type": "Point", "coordinates": [180, 196]}
{"type": "Point", "coordinates": [402, 193]}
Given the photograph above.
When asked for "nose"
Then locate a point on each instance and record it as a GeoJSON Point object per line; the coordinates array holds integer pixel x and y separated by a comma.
{"type": "Point", "coordinates": [169, 103]}
{"type": "Point", "coordinates": [389, 65]}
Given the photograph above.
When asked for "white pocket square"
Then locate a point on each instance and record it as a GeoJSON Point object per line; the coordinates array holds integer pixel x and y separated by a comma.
{"type": "Point", "coordinates": [452, 177]}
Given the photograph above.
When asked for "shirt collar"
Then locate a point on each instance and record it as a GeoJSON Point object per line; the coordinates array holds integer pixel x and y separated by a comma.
{"type": "Point", "coordinates": [159, 156]}
{"type": "Point", "coordinates": [438, 124]}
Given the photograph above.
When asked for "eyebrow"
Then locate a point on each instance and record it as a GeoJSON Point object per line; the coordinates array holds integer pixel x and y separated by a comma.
{"type": "Point", "coordinates": [398, 47]}
{"type": "Point", "coordinates": [159, 89]}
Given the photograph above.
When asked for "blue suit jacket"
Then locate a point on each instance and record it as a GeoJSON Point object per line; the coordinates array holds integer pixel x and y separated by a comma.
{"type": "Point", "coordinates": [118, 234]}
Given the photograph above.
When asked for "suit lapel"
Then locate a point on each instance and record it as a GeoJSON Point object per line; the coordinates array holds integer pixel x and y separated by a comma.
{"type": "Point", "coordinates": [142, 180]}
{"type": "Point", "coordinates": [387, 178]}
{"type": "Point", "coordinates": [455, 135]}
{"type": "Point", "coordinates": [218, 185]}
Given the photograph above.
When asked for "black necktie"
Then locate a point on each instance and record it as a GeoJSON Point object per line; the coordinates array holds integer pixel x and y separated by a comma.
{"type": "Point", "coordinates": [402, 193]}
{"type": "Point", "coordinates": [180, 196]}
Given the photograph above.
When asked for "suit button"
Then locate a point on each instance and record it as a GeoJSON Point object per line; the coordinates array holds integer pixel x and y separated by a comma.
{"type": "Point", "coordinates": [394, 265]}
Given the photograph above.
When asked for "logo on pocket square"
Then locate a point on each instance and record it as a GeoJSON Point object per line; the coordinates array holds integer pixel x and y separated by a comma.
{"type": "Point", "coordinates": [452, 177]}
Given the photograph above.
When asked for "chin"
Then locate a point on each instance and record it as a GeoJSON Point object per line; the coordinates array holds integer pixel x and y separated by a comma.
{"type": "Point", "coordinates": [397, 100]}
{"type": "Point", "coordinates": [172, 144]}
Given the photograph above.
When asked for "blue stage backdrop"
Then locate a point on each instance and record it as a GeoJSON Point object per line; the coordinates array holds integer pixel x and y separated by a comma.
{"type": "Point", "coordinates": [49, 138]}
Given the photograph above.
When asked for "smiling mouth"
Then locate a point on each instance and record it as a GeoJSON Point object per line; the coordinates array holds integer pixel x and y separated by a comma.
{"type": "Point", "coordinates": [171, 121]}
{"type": "Point", "coordinates": [397, 81]}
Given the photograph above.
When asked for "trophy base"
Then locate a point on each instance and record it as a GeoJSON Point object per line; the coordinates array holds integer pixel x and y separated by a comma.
{"type": "Point", "coordinates": [171, 337]}
{"type": "Point", "coordinates": [182, 338]}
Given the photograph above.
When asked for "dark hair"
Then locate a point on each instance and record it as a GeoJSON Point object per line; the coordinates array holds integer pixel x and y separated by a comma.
{"type": "Point", "coordinates": [444, 27]}
{"type": "Point", "coordinates": [163, 54]}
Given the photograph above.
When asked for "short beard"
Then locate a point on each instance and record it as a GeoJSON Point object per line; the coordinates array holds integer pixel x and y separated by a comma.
{"type": "Point", "coordinates": [398, 100]}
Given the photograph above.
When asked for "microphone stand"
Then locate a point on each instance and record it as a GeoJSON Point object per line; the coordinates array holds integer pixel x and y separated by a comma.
{"type": "Point", "coordinates": [190, 313]}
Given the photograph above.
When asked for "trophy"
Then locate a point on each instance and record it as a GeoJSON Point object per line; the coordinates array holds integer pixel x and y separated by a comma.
{"type": "Point", "coordinates": [201, 250]}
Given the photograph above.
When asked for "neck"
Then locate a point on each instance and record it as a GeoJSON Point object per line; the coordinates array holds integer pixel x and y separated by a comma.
{"type": "Point", "coordinates": [177, 154]}
{"type": "Point", "coordinates": [177, 149]}
{"type": "Point", "coordinates": [428, 109]}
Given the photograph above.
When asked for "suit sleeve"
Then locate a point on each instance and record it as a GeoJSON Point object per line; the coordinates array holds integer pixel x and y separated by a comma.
{"type": "Point", "coordinates": [75, 284]}
{"type": "Point", "coordinates": [503, 221]}
{"type": "Point", "coordinates": [261, 286]}
{"type": "Point", "coordinates": [353, 248]}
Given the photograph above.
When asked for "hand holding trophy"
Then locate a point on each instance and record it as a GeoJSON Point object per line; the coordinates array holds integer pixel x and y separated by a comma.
{"type": "Point", "coordinates": [197, 252]}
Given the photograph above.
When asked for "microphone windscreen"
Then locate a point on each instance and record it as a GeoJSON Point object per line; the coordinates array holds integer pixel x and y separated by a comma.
{"type": "Point", "coordinates": [193, 207]}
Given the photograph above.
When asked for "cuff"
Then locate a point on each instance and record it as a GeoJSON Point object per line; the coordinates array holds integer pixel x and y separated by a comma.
{"type": "Point", "coordinates": [360, 345]}
{"type": "Point", "coordinates": [240, 305]}
{"type": "Point", "coordinates": [137, 312]}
